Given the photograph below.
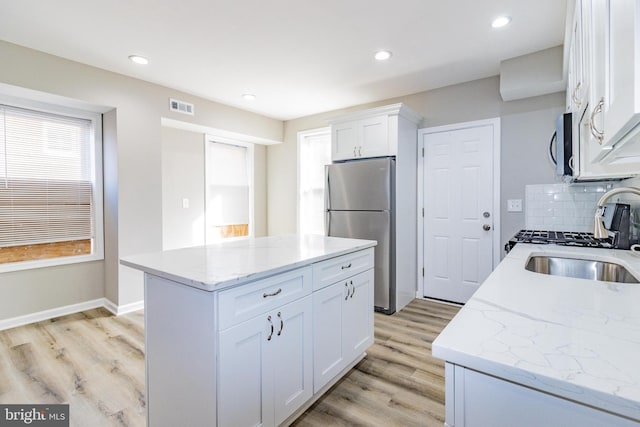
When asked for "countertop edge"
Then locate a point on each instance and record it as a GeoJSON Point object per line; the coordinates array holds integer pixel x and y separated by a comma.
{"type": "Point", "coordinates": [244, 278]}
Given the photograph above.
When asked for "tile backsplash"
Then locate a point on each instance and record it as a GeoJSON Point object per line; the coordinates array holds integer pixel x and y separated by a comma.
{"type": "Point", "coordinates": [562, 207]}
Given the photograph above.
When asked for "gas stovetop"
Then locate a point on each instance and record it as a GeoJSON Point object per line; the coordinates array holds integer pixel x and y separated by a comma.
{"type": "Point", "coordinates": [565, 238]}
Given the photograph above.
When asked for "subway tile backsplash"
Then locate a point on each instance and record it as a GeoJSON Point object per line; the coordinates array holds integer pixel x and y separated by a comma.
{"type": "Point", "coordinates": [562, 207]}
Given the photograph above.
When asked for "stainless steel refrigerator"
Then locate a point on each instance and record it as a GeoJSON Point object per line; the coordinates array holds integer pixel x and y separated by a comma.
{"type": "Point", "coordinates": [359, 200]}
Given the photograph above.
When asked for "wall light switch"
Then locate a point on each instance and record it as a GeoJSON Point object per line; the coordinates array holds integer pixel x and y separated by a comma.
{"type": "Point", "coordinates": [514, 205]}
{"type": "Point", "coordinates": [185, 203]}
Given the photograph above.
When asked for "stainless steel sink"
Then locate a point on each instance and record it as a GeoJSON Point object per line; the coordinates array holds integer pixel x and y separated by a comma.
{"type": "Point", "coordinates": [580, 268]}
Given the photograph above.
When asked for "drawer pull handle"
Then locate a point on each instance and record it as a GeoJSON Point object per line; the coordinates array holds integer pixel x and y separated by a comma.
{"type": "Point", "coordinates": [346, 285]}
{"type": "Point", "coordinates": [353, 289]}
{"type": "Point", "coordinates": [273, 294]}
{"type": "Point", "coordinates": [270, 333]}
{"type": "Point", "coordinates": [281, 323]}
{"type": "Point", "coordinates": [344, 267]}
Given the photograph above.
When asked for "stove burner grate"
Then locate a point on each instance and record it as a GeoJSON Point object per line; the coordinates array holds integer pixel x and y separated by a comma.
{"type": "Point", "coordinates": [565, 238]}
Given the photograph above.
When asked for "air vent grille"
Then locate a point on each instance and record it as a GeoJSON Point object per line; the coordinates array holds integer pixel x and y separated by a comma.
{"type": "Point", "coordinates": [180, 106]}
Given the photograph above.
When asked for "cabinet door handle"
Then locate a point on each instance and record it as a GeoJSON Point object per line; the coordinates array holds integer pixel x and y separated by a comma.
{"type": "Point", "coordinates": [360, 151]}
{"type": "Point", "coordinates": [272, 294]}
{"type": "Point", "coordinates": [576, 99]}
{"type": "Point", "coordinates": [270, 333]}
{"type": "Point", "coordinates": [598, 134]}
{"type": "Point", "coordinates": [354, 151]}
{"type": "Point", "coordinates": [281, 323]}
{"type": "Point", "coordinates": [353, 289]}
{"type": "Point", "coordinates": [344, 267]}
{"type": "Point", "coordinates": [346, 286]}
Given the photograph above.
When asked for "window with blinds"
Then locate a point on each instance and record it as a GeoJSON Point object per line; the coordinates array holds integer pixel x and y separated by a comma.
{"type": "Point", "coordinates": [46, 185]}
{"type": "Point", "coordinates": [228, 191]}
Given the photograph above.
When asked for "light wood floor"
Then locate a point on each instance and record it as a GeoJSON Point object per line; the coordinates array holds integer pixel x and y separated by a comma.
{"type": "Point", "coordinates": [95, 362]}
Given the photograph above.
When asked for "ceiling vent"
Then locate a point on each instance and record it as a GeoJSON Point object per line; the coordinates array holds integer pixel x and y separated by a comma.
{"type": "Point", "coordinates": [180, 106]}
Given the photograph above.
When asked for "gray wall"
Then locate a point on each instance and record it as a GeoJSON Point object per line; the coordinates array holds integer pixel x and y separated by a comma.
{"type": "Point", "coordinates": [527, 126]}
{"type": "Point", "coordinates": [182, 177]}
{"type": "Point", "coordinates": [132, 168]}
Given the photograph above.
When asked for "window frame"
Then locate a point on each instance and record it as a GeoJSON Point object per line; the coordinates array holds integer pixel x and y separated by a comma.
{"type": "Point", "coordinates": [302, 136]}
{"type": "Point", "coordinates": [97, 244]}
{"type": "Point", "coordinates": [208, 140]}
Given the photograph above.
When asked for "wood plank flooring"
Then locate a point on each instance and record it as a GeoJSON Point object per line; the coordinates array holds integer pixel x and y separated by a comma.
{"type": "Point", "coordinates": [95, 362]}
{"type": "Point", "coordinates": [399, 383]}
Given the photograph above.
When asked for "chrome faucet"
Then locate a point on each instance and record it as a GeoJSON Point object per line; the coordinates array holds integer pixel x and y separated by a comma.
{"type": "Point", "coordinates": [599, 231]}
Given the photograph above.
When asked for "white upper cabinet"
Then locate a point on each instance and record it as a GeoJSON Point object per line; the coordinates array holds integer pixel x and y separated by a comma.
{"type": "Point", "coordinates": [603, 87]}
{"type": "Point", "coordinates": [370, 133]}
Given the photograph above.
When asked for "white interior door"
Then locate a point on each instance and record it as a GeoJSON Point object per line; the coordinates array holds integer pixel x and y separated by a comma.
{"type": "Point", "coordinates": [459, 210]}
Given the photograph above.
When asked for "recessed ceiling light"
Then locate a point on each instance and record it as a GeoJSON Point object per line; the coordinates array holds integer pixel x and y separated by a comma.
{"type": "Point", "coordinates": [138, 59]}
{"type": "Point", "coordinates": [382, 55]}
{"type": "Point", "coordinates": [249, 97]}
{"type": "Point", "coordinates": [501, 21]}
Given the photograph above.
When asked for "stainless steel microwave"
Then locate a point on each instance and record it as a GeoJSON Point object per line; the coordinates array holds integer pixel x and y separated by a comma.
{"type": "Point", "coordinates": [564, 145]}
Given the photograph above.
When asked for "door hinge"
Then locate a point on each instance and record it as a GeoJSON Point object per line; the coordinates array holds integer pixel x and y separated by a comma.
{"type": "Point", "coordinates": [422, 271]}
{"type": "Point", "coordinates": [422, 212]}
{"type": "Point", "coordinates": [422, 151]}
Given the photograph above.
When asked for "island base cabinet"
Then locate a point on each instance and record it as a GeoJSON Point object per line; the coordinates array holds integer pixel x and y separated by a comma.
{"type": "Point", "coordinates": [343, 325]}
{"type": "Point", "coordinates": [474, 399]}
{"type": "Point", "coordinates": [265, 367]}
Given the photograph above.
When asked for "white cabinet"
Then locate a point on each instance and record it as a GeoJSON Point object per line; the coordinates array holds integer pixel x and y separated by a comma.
{"type": "Point", "coordinates": [603, 89]}
{"type": "Point", "coordinates": [474, 399]}
{"type": "Point", "coordinates": [578, 75]}
{"type": "Point", "coordinates": [371, 133]}
{"type": "Point", "coordinates": [265, 371]}
{"type": "Point", "coordinates": [343, 325]}
{"type": "Point", "coordinates": [360, 138]}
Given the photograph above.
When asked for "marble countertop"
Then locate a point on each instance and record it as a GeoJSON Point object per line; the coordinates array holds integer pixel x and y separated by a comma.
{"type": "Point", "coordinates": [218, 266]}
{"type": "Point", "coordinates": [575, 338]}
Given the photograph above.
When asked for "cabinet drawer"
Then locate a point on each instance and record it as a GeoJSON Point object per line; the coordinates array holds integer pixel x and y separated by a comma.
{"type": "Point", "coordinates": [336, 269]}
{"type": "Point", "coordinates": [246, 301]}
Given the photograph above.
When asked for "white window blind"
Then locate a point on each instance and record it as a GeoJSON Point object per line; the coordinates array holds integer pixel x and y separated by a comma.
{"type": "Point", "coordinates": [46, 176]}
{"type": "Point", "coordinates": [227, 185]}
{"type": "Point", "coordinates": [314, 154]}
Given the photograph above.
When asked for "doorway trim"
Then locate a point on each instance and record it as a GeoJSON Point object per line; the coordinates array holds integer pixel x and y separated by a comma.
{"type": "Point", "coordinates": [495, 123]}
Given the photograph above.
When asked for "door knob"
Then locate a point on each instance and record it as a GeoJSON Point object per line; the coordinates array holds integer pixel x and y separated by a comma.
{"type": "Point", "coordinates": [486, 227]}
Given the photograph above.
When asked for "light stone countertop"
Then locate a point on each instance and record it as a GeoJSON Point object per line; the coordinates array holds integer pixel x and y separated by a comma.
{"type": "Point", "coordinates": [215, 267]}
{"type": "Point", "coordinates": [575, 338]}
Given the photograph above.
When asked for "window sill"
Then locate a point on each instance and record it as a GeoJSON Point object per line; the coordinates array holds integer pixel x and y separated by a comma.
{"type": "Point", "coordinates": [50, 262]}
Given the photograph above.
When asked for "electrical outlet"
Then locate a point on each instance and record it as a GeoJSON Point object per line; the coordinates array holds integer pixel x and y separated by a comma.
{"type": "Point", "coordinates": [185, 203]}
{"type": "Point", "coordinates": [514, 205]}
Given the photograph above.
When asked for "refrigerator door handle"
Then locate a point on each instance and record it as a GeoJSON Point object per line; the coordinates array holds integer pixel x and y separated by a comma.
{"type": "Point", "coordinates": [327, 222]}
{"type": "Point", "coordinates": [327, 193]}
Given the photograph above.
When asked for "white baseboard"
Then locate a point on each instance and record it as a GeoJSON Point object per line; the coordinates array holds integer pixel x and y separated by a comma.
{"type": "Point", "coordinates": [70, 309]}
{"type": "Point", "coordinates": [126, 308]}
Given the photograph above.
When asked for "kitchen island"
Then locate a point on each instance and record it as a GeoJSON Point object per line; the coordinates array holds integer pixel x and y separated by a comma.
{"type": "Point", "coordinates": [251, 332]}
{"type": "Point", "coordinates": [532, 349]}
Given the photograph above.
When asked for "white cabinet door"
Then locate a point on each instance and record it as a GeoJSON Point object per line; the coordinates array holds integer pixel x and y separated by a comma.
{"type": "Point", "coordinates": [614, 100]}
{"type": "Point", "coordinates": [343, 325]}
{"type": "Point", "coordinates": [245, 379]}
{"type": "Point", "coordinates": [291, 356]}
{"type": "Point", "coordinates": [344, 140]}
{"type": "Point", "coordinates": [357, 319]}
{"type": "Point", "coordinates": [328, 356]}
{"type": "Point", "coordinates": [577, 87]}
{"type": "Point", "coordinates": [622, 97]}
{"type": "Point", "coordinates": [374, 137]}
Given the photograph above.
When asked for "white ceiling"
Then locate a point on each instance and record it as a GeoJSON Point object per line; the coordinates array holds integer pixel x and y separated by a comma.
{"type": "Point", "coordinates": [299, 57]}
